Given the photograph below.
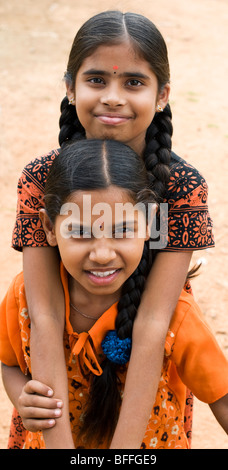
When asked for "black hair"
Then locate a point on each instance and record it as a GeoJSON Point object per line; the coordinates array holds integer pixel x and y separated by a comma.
{"type": "Point", "coordinates": [88, 165]}
{"type": "Point", "coordinates": [114, 27]}
{"type": "Point", "coordinates": [95, 164]}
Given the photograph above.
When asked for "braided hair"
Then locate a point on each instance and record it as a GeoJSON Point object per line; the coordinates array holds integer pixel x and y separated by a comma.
{"type": "Point", "coordinates": [88, 165]}
{"type": "Point", "coordinates": [114, 27]}
{"type": "Point", "coordinates": [157, 153]}
{"type": "Point", "coordinates": [70, 126]}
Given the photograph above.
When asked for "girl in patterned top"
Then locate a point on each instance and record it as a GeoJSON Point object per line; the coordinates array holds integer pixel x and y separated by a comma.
{"type": "Point", "coordinates": [117, 83]}
{"type": "Point", "coordinates": [98, 205]}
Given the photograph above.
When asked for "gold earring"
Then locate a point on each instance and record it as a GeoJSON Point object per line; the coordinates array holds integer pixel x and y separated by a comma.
{"type": "Point", "coordinates": [71, 101]}
{"type": "Point", "coordinates": [159, 109]}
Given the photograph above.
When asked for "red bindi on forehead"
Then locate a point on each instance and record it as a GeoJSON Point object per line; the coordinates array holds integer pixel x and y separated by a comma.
{"type": "Point", "coordinates": [115, 68]}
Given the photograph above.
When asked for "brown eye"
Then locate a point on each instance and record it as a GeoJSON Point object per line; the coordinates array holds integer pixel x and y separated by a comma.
{"type": "Point", "coordinates": [134, 83]}
{"type": "Point", "coordinates": [96, 81]}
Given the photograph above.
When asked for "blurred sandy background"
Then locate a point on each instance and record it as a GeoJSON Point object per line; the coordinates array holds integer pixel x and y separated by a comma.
{"type": "Point", "coordinates": [35, 40]}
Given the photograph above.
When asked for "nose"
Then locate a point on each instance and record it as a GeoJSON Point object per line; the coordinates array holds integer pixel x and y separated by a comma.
{"type": "Point", "coordinates": [113, 96]}
{"type": "Point", "coordinates": [102, 252]}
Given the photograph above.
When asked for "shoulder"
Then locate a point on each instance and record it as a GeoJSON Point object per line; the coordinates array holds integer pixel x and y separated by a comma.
{"type": "Point", "coordinates": [191, 342]}
{"type": "Point", "coordinates": [180, 168]}
{"type": "Point", "coordinates": [43, 160]}
{"type": "Point", "coordinates": [188, 326]}
{"type": "Point", "coordinates": [16, 288]}
{"type": "Point", "coordinates": [186, 305]}
{"type": "Point", "coordinates": [13, 314]}
{"type": "Point", "coordinates": [184, 179]}
{"type": "Point", "coordinates": [189, 320]}
{"type": "Point", "coordinates": [37, 169]}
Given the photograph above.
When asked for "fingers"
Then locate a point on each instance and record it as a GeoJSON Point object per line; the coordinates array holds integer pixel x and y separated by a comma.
{"type": "Point", "coordinates": [38, 401]}
{"type": "Point", "coordinates": [38, 409]}
{"type": "Point", "coordinates": [35, 425]}
{"type": "Point", "coordinates": [34, 386]}
{"type": "Point", "coordinates": [35, 394]}
{"type": "Point", "coordinates": [40, 412]}
{"type": "Point", "coordinates": [37, 419]}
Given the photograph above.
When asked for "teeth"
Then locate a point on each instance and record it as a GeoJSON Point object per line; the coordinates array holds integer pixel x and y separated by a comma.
{"type": "Point", "coordinates": [103, 274]}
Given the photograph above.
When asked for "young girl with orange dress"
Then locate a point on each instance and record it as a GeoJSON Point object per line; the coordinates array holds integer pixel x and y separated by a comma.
{"type": "Point", "coordinates": [105, 260]}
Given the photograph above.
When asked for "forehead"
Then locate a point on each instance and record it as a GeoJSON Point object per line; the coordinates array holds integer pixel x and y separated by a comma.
{"type": "Point", "coordinates": [122, 55]}
{"type": "Point", "coordinates": [105, 208]}
{"type": "Point", "coordinates": [111, 195]}
{"type": "Point", "coordinates": [112, 205]}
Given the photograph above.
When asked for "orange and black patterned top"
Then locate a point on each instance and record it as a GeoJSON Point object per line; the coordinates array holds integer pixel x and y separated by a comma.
{"type": "Point", "coordinates": [192, 358]}
{"type": "Point", "coordinates": [189, 222]}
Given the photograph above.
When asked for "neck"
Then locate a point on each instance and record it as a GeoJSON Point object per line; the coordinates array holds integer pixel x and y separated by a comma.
{"type": "Point", "coordinates": [90, 304]}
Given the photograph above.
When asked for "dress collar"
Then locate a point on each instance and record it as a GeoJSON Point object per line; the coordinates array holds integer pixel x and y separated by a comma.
{"type": "Point", "coordinates": [87, 345]}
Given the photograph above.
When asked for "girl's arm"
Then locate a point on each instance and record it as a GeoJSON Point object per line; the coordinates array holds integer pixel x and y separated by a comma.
{"type": "Point", "coordinates": [45, 299]}
{"type": "Point", "coordinates": [31, 399]}
{"type": "Point", "coordinates": [220, 410]}
{"type": "Point", "coordinates": [163, 288]}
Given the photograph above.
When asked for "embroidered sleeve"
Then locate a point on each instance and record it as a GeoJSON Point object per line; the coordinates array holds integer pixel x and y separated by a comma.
{"type": "Point", "coordinates": [189, 221]}
{"type": "Point", "coordinates": [28, 230]}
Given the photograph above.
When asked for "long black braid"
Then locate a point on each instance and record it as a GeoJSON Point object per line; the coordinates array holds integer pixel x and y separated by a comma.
{"type": "Point", "coordinates": [157, 153]}
{"type": "Point", "coordinates": [70, 126]}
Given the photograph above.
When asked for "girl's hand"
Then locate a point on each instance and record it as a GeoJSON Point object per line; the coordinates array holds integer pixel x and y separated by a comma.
{"type": "Point", "coordinates": [37, 408]}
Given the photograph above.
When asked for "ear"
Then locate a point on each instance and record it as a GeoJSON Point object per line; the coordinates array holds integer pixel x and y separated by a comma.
{"type": "Point", "coordinates": [70, 93]}
{"type": "Point", "coordinates": [163, 96]}
{"type": "Point", "coordinates": [48, 227]}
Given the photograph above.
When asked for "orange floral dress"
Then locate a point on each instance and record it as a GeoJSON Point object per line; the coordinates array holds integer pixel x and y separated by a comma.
{"type": "Point", "coordinates": [189, 222]}
{"type": "Point", "coordinates": [192, 358]}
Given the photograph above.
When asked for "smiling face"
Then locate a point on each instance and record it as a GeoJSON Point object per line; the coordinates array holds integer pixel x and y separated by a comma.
{"type": "Point", "coordinates": [116, 94]}
{"type": "Point", "coordinates": [98, 266]}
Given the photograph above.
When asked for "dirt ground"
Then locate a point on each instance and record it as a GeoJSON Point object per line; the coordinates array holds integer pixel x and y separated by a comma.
{"type": "Point", "coordinates": [35, 39]}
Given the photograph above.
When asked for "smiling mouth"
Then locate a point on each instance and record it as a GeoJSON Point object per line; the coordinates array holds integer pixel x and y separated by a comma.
{"type": "Point", "coordinates": [103, 277]}
{"type": "Point", "coordinates": [113, 119]}
{"type": "Point", "coordinates": [103, 273]}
